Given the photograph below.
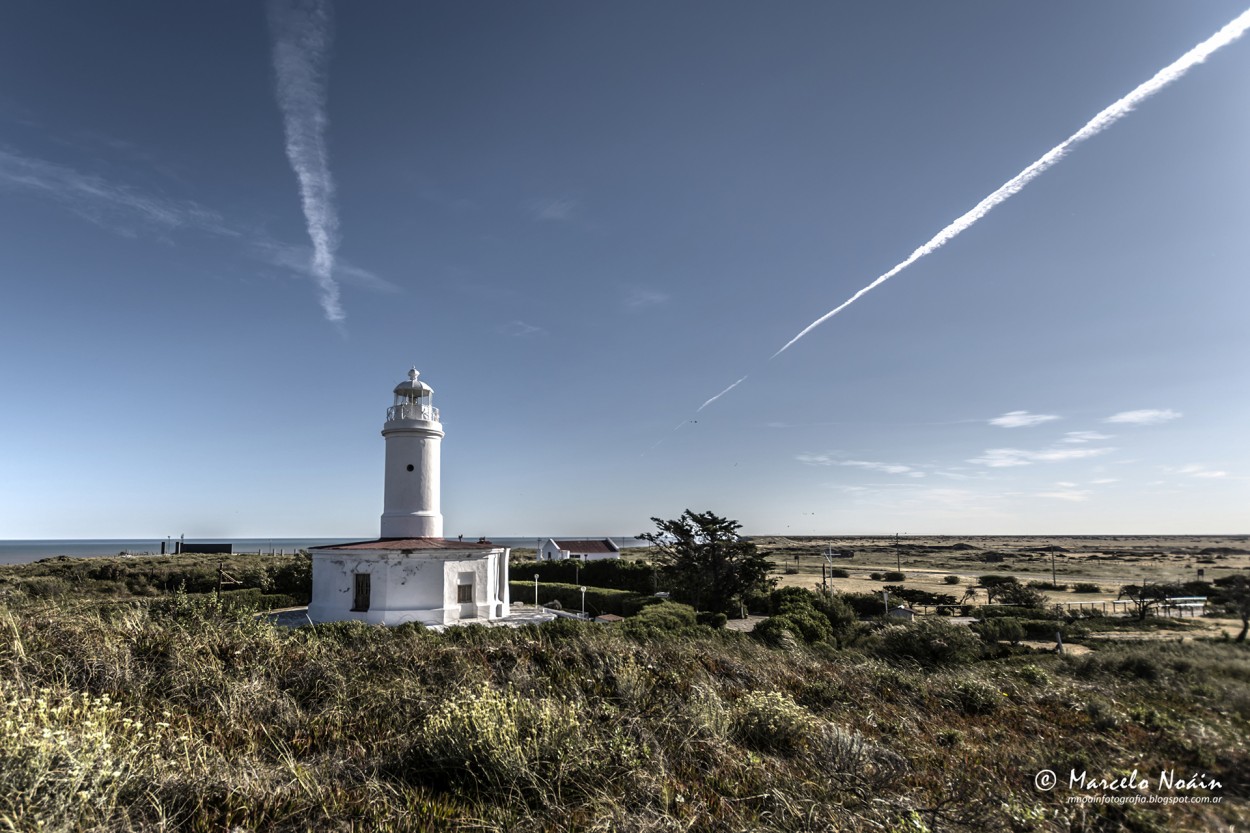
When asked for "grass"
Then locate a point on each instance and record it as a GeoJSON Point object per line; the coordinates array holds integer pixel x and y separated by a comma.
{"type": "Point", "coordinates": [136, 715]}
{"type": "Point", "coordinates": [124, 706]}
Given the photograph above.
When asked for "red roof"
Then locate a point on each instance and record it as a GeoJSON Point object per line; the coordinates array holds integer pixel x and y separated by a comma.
{"type": "Point", "coordinates": [412, 544]}
{"type": "Point", "coordinates": [602, 545]}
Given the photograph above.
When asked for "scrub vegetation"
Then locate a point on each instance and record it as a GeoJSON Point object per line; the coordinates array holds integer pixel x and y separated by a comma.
{"type": "Point", "coordinates": [175, 713]}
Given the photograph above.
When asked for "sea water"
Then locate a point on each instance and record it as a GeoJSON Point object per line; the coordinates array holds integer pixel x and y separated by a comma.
{"type": "Point", "coordinates": [24, 552]}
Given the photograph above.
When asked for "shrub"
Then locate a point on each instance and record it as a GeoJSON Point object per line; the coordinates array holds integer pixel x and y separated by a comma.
{"type": "Point", "coordinates": [598, 599]}
{"type": "Point", "coordinates": [917, 596]}
{"type": "Point", "coordinates": [838, 572]}
{"type": "Point", "coordinates": [877, 576]}
{"type": "Point", "coordinates": [1006, 628]}
{"type": "Point", "coordinates": [498, 739]}
{"type": "Point", "coordinates": [1033, 675]}
{"type": "Point", "coordinates": [930, 642]}
{"type": "Point", "coordinates": [611, 573]}
{"type": "Point", "coordinates": [894, 576]}
{"type": "Point", "coordinates": [771, 722]}
{"type": "Point", "coordinates": [810, 616]}
{"type": "Point", "coordinates": [1020, 596]}
{"type": "Point", "coordinates": [1086, 587]}
{"type": "Point", "coordinates": [951, 580]}
{"type": "Point", "coordinates": [805, 623]}
{"type": "Point", "coordinates": [865, 605]}
{"type": "Point", "coordinates": [975, 697]}
{"type": "Point", "coordinates": [712, 619]}
{"type": "Point", "coordinates": [663, 616]}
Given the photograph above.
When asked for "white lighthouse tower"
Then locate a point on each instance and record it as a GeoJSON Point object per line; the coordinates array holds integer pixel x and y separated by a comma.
{"type": "Point", "coordinates": [414, 438]}
{"type": "Point", "coordinates": [410, 573]}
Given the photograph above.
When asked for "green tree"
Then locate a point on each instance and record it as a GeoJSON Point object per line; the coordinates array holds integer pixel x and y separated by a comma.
{"type": "Point", "coordinates": [1232, 597]}
{"type": "Point", "coordinates": [1146, 597]}
{"type": "Point", "coordinates": [706, 562]}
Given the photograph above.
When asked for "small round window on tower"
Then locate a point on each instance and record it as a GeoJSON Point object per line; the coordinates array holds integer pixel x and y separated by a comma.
{"type": "Point", "coordinates": [410, 467]}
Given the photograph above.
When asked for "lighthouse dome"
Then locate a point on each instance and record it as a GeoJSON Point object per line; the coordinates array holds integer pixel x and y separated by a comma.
{"type": "Point", "coordinates": [412, 386]}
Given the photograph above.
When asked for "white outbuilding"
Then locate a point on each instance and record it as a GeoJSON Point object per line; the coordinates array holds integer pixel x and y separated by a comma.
{"type": "Point", "coordinates": [595, 549]}
{"type": "Point", "coordinates": [410, 573]}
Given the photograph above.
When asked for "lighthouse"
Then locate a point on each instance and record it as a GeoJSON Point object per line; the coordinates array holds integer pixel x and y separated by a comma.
{"type": "Point", "coordinates": [414, 438]}
{"type": "Point", "coordinates": [410, 573]}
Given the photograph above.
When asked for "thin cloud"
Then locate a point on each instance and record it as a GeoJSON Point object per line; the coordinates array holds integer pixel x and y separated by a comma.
{"type": "Point", "coordinates": [112, 205]}
{"type": "Point", "coordinates": [1074, 495]}
{"type": "Point", "coordinates": [640, 298]}
{"type": "Point", "coordinates": [1009, 457]}
{"type": "Point", "coordinates": [302, 31]}
{"type": "Point", "coordinates": [520, 329]}
{"type": "Point", "coordinates": [1107, 117]}
{"type": "Point", "coordinates": [1021, 419]}
{"type": "Point", "coordinates": [1146, 416]}
{"type": "Point", "coordinates": [134, 212]}
{"type": "Point", "coordinates": [1084, 437]}
{"type": "Point", "coordinates": [870, 465]}
{"type": "Point", "coordinates": [299, 259]}
{"type": "Point", "coordinates": [1198, 470]}
{"type": "Point", "coordinates": [560, 209]}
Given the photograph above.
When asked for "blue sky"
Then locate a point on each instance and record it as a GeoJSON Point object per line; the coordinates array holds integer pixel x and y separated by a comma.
{"type": "Point", "coordinates": [581, 222]}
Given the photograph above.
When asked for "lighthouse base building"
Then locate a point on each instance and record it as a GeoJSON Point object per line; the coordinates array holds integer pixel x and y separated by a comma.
{"type": "Point", "coordinates": [398, 580]}
{"type": "Point", "coordinates": [411, 573]}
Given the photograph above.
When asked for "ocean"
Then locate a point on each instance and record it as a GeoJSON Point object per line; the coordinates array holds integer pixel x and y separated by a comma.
{"type": "Point", "coordinates": [24, 552]}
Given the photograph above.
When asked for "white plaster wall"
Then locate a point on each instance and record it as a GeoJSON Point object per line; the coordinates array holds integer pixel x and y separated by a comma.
{"type": "Point", "coordinates": [411, 505]}
{"type": "Point", "coordinates": [407, 588]}
{"type": "Point", "coordinates": [551, 552]}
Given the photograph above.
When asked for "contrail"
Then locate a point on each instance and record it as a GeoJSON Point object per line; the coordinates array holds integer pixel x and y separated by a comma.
{"type": "Point", "coordinates": [686, 422]}
{"type": "Point", "coordinates": [302, 31]}
{"type": "Point", "coordinates": [718, 396]}
{"type": "Point", "coordinates": [1013, 186]}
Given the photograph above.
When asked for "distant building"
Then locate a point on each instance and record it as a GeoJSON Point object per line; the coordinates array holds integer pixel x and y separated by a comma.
{"type": "Point", "coordinates": [902, 613]}
{"type": "Point", "coordinates": [410, 573]}
{"type": "Point", "coordinates": [587, 550]}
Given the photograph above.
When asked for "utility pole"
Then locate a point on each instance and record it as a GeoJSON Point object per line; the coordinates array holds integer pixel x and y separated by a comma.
{"type": "Point", "coordinates": [1054, 582]}
{"type": "Point", "coordinates": [898, 555]}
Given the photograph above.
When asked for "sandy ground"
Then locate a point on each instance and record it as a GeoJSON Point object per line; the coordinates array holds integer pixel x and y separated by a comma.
{"type": "Point", "coordinates": [1107, 561]}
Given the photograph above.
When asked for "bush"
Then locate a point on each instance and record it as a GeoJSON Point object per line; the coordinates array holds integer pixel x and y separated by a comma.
{"type": "Point", "coordinates": [803, 622]}
{"type": "Point", "coordinates": [974, 697]}
{"type": "Point", "coordinates": [894, 576]}
{"type": "Point", "coordinates": [712, 619]}
{"type": "Point", "coordinates": [865, 605]}
{"type": "Point", "coordinates": [598, 599]}
{"type": "Point", "coordinates": [611, 573]}
{"type": "Point", "coordinates": [664, 616]}
{"type": "Point", "coordinates": [1004, 629]}
{"type": "Point", "coordinates": [1021, 596]}
{"type": "Point", "coordinates": [877, 576]}
{"type": "Point", "coordinates": [1086, 587]}
{"type": "Point", "coordinates": [770, 721]}
{"type": "Point", "coordinates": [498, 740]}
{"type": "Point", "coordinates": [951, 580]}
{"type": "Point", "coordinates": [838, 572]}
{"type": "Point", "coordinates": [930, 642]}
{"type": "Point", "coordinates": [916, 596]}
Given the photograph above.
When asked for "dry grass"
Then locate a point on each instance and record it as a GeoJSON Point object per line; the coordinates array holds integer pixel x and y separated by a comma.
{"type": "Point", "coordinates": [121, 717]}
